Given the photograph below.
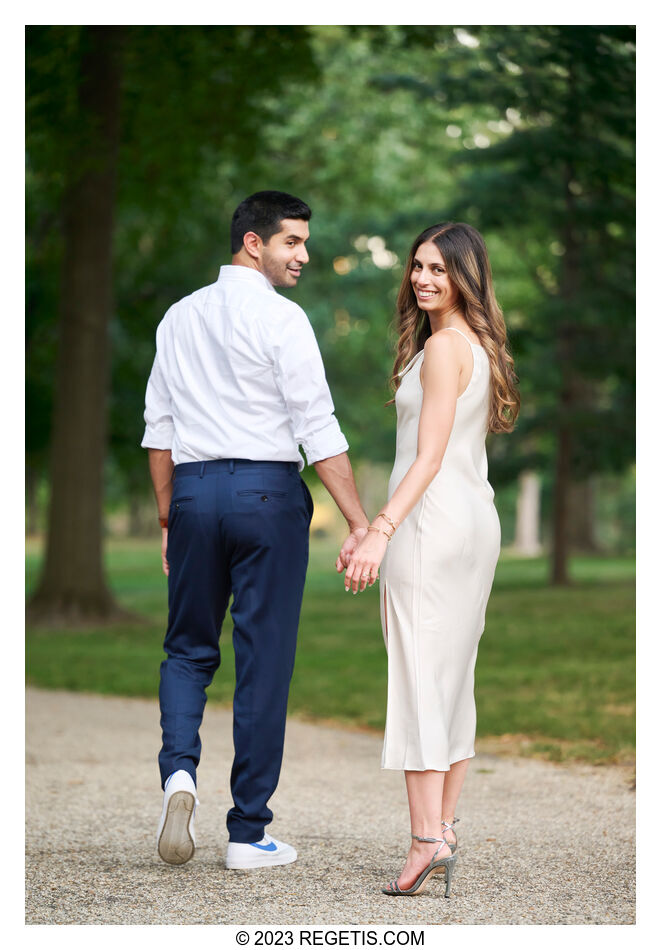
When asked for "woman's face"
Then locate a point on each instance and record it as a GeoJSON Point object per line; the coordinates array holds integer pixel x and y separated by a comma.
{"type": "Point", "coordinates": [433, 289]}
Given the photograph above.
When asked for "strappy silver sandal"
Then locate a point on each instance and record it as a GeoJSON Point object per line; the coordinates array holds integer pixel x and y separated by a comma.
{"type": "Point", "coordinates": [434, 867]}
{"type": "Point", "coordinates": [450, 827]}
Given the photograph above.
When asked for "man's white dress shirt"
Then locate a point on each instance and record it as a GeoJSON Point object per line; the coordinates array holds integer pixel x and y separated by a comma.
{"type": "Point", "coordinates": [238, 374]}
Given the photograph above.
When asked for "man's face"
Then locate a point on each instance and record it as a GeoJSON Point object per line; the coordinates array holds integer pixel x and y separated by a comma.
{"type": "Point", "coordinates": [283, 256]}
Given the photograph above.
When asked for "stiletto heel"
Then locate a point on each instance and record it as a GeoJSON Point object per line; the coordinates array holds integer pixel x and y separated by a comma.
{"type": "Point", "coordinates": [434, 867]}
{"type": "Point", "coordinates": [449, 871]}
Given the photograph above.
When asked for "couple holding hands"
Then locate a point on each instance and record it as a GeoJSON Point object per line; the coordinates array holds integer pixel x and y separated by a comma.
{"type": "Point", "coordinates": [237, 385]}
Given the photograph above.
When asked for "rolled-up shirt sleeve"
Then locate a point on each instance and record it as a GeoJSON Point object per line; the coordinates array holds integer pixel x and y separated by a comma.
{"type": "Point", "coordinates": [301, 378]}
{"type": "Point", "coordinates": [159, 431]}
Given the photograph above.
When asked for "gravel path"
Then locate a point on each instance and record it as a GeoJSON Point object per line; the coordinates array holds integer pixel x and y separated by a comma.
{"type": "Point", "coordinates": [93, 802]}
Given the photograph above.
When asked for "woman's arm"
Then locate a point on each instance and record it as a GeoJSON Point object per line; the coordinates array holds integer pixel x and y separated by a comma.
{"type": "Point", "coordinates": [442, 365]}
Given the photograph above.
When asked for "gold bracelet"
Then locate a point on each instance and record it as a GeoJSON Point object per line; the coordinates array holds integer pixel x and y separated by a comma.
{"type": "Point", "coordinates": [393, 524]}
{"type": "Point", "coordinates": [373, 527]}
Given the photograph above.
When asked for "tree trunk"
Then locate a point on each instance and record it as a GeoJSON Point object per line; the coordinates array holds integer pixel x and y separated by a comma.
{"type": "Point", "coordinates": [569, 288]}
{"type": "Point", "coordinates": [73, 587]}
{"type": "Point", "coordinates": [582, 536]}
{"type": "Point", "coordinates": [562, 481]}
{"type": "Point", "coordinates": [526, 538]}
{"type": "Point", "coordinates": [31, 501]}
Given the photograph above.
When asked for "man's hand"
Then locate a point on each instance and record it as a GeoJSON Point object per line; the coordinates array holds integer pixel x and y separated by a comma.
{"type": "Point", "coordinates": [363, 568]}
{"type": "Point", "coordinates": [348, 548]}
{"type": "Point", "coordinates": [164, 550]}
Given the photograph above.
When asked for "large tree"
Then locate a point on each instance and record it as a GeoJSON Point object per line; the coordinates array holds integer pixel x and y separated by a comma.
{"type": "Point", "coordinates": [73, 584]}
{"type": "Point", "coordinates": [138, 109]}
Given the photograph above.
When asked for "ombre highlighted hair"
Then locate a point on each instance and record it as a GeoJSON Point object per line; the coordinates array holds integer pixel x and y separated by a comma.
{"type": "Point", "coordinates": [467, 264]}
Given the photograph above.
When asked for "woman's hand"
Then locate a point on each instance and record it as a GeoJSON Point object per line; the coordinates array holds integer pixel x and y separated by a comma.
{"type": "Point", "coordinates": [364, 563]}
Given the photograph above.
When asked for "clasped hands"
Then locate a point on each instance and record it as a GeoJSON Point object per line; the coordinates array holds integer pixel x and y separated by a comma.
{"type": "Point", "coordinates": [361, 555]}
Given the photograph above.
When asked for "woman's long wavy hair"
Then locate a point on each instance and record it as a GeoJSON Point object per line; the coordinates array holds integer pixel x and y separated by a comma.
{"type": "Point", "coordinates": [467, 265]}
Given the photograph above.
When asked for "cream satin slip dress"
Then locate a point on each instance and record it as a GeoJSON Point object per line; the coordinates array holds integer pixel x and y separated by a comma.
{"type": "Point", "coordinates": [436, 579]}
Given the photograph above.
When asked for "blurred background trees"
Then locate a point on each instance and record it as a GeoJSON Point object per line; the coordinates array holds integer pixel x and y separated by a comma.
{"type": "Point", "coordinates": [526, 132]}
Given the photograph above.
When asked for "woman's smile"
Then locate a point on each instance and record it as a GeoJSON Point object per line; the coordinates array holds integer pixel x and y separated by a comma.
{"type": "Point", "coordinates": [430, 280]}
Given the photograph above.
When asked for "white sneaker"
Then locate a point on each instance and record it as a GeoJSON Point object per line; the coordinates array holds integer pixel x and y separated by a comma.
{"type": "Point", "coordinates": [262, 854]}
{"type": "Point", "coordinates": [175, 836]}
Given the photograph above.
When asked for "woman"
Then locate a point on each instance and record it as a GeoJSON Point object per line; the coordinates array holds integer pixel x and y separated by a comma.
{"type": "Point", "coordinates": [454, 382]}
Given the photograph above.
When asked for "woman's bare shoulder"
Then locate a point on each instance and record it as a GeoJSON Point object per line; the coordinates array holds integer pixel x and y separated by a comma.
{"type": "Point", "coordinates": [442, 344]}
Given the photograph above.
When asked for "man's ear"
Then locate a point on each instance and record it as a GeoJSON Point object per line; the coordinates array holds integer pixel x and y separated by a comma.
{"type": "Point", "coordinates": [253, 244]}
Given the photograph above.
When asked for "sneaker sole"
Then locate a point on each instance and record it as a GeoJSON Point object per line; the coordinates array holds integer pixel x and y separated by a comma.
{"type": "Point", "coordinates": [175, 845]}
{"type": "Point", "coordinates": [261, 861]}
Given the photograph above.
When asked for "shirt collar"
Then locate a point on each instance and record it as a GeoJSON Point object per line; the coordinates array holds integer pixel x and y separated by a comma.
{"type": "Point", "coordinates": [239, 272]}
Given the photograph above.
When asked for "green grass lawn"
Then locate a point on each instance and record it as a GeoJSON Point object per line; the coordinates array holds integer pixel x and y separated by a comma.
{"type": "Point", "coordinates": [555, 670]}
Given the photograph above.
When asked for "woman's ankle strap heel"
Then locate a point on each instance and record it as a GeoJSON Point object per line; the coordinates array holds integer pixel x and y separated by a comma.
{"type": "Point", "coordinates": [449, 825]}
{"type": "Point", "coordinates": [435, 865]}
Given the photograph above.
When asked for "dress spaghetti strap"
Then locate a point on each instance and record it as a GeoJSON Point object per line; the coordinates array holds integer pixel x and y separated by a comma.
{"type": "Point", "coordinates": [462, 333]}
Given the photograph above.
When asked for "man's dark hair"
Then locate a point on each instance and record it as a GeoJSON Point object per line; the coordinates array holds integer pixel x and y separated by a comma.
{"type": "Point", "coordinates": [262, 213]}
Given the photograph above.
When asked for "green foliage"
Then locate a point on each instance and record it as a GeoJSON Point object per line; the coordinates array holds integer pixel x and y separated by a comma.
{"type": "Point", "coordinates": [524, 131]}
{"type": "Point", "coordinates": [194, 102]}
{"type": "Point", "coordinates": [547, 123]}
{"type": "Point", "coordinates": [555, 666]}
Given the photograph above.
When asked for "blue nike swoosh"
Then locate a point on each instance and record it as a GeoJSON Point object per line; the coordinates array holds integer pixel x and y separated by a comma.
{"type": "Point", "coordinates": [266, 847]}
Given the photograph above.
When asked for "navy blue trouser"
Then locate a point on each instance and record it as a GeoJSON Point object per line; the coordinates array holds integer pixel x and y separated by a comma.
{"type": "Point", "coordinates": [238, 528]}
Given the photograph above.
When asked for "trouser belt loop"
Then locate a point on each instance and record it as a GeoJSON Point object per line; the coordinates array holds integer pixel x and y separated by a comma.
{"type": "Point", "coordinates": [231, 462]}
{"type": "Point", "coordinates": [202, 469]}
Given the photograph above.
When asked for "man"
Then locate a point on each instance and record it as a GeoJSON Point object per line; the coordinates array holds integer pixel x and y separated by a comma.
{"type": "Point", "coordinates": [236, 386]}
